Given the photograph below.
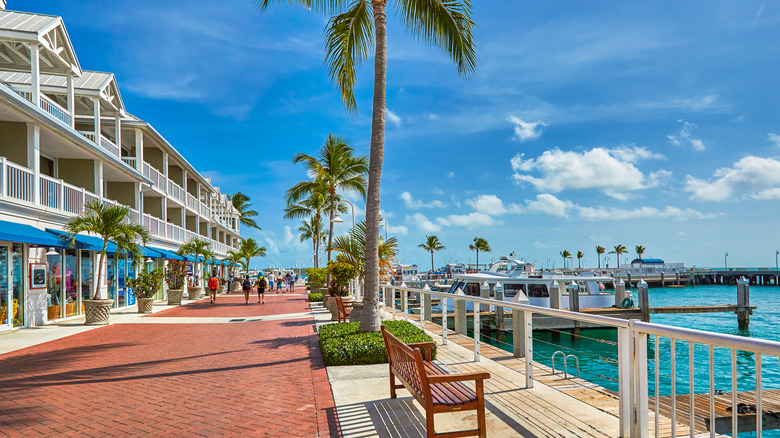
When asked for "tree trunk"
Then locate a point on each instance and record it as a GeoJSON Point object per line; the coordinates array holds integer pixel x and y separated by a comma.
{"type": "Point", "coordinates": [332, 192]}
{"type": "Point", "coordinates": [317, 243]}
{"type": "Point", "coordinates": [477, 260]}
{"type": "Point", "coordinates": [370, 321]}
{"type": "Point", "coordinates": [432, 261]}
{"type": "Point", "coordinates": [599, 257]}
{"type": "Point", "coordinates": [103, 256]}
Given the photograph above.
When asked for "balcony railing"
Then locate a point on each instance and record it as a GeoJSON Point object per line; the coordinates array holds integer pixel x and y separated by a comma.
{"type": "Point", "coordinates": [157, 178]}
{"type": "Point", "coordinates": [192, 203]}
{"type": "Point", "coordinates": [17, 181]}
{"type": "Point", "coordinates": [55, 110]}
{"type": "Point", "coordinates": [176, 191]}
{"type": "Point", "coordinates": [130, 161]}
{"type": "Point", "coordinates": [89, 134]}
{"type": "Point", "coordinates": [109, 145]}
{"type": "Point", "coordinates": [204, 210]}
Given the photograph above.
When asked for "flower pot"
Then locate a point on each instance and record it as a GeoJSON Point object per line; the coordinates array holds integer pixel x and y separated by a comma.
{"type": "Point", "coordinates": [174, 296]}
{"type": "Point", "coordinates": [193, 293]}
{"type": "Point", "coordinates": [97, 312]}
{"type": "Point", "coordinates": [145, 305]}
{"type": "Point", "coordinates": [325, 299]}
{"type": "Point", "coordinates": [222, 289]}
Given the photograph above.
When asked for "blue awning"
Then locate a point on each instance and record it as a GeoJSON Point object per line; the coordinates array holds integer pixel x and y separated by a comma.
{"type": "Point", "coordinates": [151, 253]}
{"type": "Point", "coordinates": [83, 241]}
{"type": "Point", "coordinates": [167, 254]}
{"type": "Point", "coordinates": [22, 233]}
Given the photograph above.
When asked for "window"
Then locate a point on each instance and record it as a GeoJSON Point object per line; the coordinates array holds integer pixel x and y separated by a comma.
{"type": "Point", "coordinates": [47, 166]}
{"type": "Point", "coordinates": [472, 289]}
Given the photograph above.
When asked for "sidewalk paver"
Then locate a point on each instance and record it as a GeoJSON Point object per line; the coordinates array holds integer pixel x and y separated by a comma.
{"type": "Point", "coordinates": [252, 378]}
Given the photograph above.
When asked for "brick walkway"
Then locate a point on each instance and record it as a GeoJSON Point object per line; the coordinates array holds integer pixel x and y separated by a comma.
{"type": "Point", "coordinates": [258, 378]}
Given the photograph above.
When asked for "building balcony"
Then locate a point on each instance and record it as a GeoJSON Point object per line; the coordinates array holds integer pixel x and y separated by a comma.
{"type": "Point", "coordinates": [48, 105]}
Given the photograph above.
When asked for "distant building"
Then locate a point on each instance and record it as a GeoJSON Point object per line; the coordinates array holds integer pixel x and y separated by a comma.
{"type": "Point", "coordinates": [656, 265]}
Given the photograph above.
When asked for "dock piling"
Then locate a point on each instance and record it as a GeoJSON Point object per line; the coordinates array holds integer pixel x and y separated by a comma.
{"type": "Point", "coordinates": [663, 282]}
{"type": "Point", "coordinates": [461, 325]}
{"type": "Point", "coordinates": [519, 335]}
{"type": "Point", "coordinates": [743, 302]}
{"type": "Point", "coordinates": [426, 304]}
{"type": "Point", "coordinates": [620, 293]}
{"type": "Point", "coordinates": [644, 300]}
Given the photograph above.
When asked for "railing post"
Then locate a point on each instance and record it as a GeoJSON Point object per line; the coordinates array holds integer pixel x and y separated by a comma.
{"type": "Point", "coordinates": [405, 303]}
{"type": "Point", "coordinates": [461, 324]}
{"type": "Point", "coordinates": [3, 178]}
{"type": "Point", "coordinates": [518, 333]}
{"type": "Point", "coordinates": [529, 349]}
{"type": "Point", "coordinates": [638, 379]}
{"type": "Point", "coordinates": [477, 330]}
{"type": "Point", "coordinates": [499, 293]}
{"type": "Point", "coordinates": [444, 319]}
{"type": "Point", "coordinates": [61, 203]}
{"type": "Point", "coordinates": [426, 304]}
{"type": "Point", "coordinates": [624, 384]}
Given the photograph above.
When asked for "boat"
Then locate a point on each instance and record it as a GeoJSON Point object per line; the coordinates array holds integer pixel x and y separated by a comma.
{"type": "Point", "coordinates": [521, 283]}
{"type": "Point", "coordinates": [406, 273]}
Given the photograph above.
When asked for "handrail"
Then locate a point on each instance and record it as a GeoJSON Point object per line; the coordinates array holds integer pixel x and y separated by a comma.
{"type": "Point", "coordinates": [753, 345]}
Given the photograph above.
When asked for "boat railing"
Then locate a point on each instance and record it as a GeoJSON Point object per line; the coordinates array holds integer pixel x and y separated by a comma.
{"type": "Point", "coordinates": [632, 353]}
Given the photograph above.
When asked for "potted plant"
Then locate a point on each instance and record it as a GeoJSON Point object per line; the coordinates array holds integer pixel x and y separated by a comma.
{"type": "Point", "coordinates": [145, 286]}
{"type": "Point", "coordinates": [177, 271]}
{"type": "Point", "coordinates": [340, 275]}
{"type": "Point", "coordinates": [111, 224]}
{"type": "Point", "coordinates": [196, 248]}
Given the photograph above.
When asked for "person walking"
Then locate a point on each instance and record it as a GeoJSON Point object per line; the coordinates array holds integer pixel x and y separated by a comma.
{"type": "Point", "coordinates": [261, 290]}
{"type": "Point", "coordinates": [271, 278]}
{"type": "Point", "coordinates": [246, 286]}
{"type": "Point", "coordinates": [213, 286]}
{"type": "Point", "coordinates": [290, 282]}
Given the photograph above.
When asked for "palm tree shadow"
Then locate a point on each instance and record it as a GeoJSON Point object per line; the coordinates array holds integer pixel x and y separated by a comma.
{"type": "Point", "coordinates": [285, 342]}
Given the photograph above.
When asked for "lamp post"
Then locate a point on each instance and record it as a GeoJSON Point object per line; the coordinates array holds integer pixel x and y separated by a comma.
{"type": "Point", "coordinates": [149, 263]}
{"type": "Point", "coordinates": [726, 260]}
{"type": "Point", "coordinates": [337, 219]}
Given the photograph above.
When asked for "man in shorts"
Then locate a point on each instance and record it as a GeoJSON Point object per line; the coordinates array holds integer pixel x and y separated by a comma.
{"type": "Point", "coordinates": [213, 287]}
{"type": "Point", "coordinates": [261, 290]}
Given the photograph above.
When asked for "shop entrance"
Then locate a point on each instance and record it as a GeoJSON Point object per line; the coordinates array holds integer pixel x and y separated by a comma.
{"type": "Point", "coordinates": [11, 285]}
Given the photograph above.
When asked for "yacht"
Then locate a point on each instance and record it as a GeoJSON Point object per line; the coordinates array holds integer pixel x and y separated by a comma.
{"type": "Point", "coordinates": [406, 273]}
{"type": "Point", "coordinates": [521, 283]}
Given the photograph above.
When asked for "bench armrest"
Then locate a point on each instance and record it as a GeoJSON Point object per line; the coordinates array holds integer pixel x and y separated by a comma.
{"type": "Point", "coordinates": [425, 346]}
{"type": "Point", "coordinates": [457, 377]}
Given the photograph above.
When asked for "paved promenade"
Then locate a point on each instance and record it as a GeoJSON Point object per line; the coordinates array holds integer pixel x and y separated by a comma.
{"type": "Point", "coordinates": [228, 369]}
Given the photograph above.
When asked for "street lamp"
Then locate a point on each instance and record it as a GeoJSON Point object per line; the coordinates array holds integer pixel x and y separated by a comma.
{"type": "Point", "coordinates": [337, 219]}
{"type": "Point", "coordinates": [149, 263]}
{"type": "Point", "coordinates": [726, 260]}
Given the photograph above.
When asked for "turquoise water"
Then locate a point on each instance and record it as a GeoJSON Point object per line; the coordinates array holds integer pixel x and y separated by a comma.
{"type": "Point", "coordinates": [597, 348]}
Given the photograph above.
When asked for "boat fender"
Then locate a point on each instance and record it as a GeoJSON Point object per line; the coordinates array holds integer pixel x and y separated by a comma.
{"type": "Point", "coordinates": [627, 303]}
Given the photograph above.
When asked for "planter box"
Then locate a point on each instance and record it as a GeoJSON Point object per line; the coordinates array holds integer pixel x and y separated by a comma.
{"type": "Point", "coordinates": [145, 305]}
{"type": "Point", "coordinates": [174, 296]}
{"type": "Point", "coordinates": [97, 312]}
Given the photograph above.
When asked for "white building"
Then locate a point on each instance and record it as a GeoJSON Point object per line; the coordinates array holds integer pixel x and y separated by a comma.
{"type": "Point", "coordinates": [66, 138]}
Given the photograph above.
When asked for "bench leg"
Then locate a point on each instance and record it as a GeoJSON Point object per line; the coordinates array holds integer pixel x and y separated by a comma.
{"type": "Point", "coordinates": [429, 423]}
{"type": "Point", "coordinates": [481, 426]}
{"type": "Point", "coordinates": [392, 383]}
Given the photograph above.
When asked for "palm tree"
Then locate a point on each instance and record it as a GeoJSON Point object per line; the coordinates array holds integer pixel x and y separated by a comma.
{"type": "Point", "coordinates": [196, 248]}
{"type": "Point", "coordinates": [640, 250]}
{"type": "Point", "coordinates": [352, 250]}
{"type": "Point", "coordinates": [580, 255]}
{"type": "Point", "coordinates": [312, 230]}
{"type": "Point", "coordinates": [566, 255]}
{"type": "Point", "coordinates": [619, 249]}
{"type": "Point", "coordinates": [250, 248]}
{"type": "Point", "coordinates": [349, 40]}
{"type": "Point", "coordinates": [599, 251]}
{"type": "Point", "coordinates": [312, 207]}
{"type": "Point", "coordinates": [109, 222]}
{"type": "Point", "coordinates": [234, 258]}
{"type": "Point", "coordinates": [432, 244]}
{"type": "Point", "coordinates": [480, 244]}
{"type": "Point", "coordinates": [336, 167]}
{"type": "Point", "coordinates": [241, 203]}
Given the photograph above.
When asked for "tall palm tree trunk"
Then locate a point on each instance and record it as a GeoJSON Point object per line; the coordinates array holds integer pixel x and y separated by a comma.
{"type": "Point", "coordinates": [431, 260]}
{"type": "Point", "coordinates": [332, 191]}
{"type": "Point", "coordinates": [317, 243]}
{"type": "Point", "coordinates": [477, 260]}
{"type": "Point", "coordinates": [103, 256]}
{"type": "Point", "coordinates": [370, 321]}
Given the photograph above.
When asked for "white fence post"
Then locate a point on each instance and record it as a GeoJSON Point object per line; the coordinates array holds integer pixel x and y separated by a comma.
{"type": "Point", "coordinates": [529, 349]}
{"type": "Point", "coordinates": [477, 327]}
{"type": "Point", "coordinates": [624, 384]}
{"type": "Point", "coordinates": [639, 382]}
{"type": "Point", "coordinates": [444, 319]}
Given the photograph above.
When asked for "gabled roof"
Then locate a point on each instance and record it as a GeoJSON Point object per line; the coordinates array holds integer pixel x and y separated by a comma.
{"type": "Point", "coordinates": [48, 31]}
{"type": "Point", "coordinates": [91, 83]}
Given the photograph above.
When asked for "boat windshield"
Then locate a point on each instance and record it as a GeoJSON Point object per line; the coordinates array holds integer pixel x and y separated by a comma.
{"type": "Point", "coordinates": [456, 285]}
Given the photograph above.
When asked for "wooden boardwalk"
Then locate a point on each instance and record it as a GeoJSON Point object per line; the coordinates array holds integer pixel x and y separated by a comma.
{"type": "Point", "coordinates": [594, 395]}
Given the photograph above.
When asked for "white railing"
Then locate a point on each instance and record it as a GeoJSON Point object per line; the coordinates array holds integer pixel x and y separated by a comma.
{"type": "Point", "coordinates": [89, 134]}
{"type": "Point", "coordinates": [109, 145]}
{"type": "Point", "coordinates": [189, 235]}
{"type": "Point", "coordinates": [133, 216]}
{"type": "Point", "coordinates": [55, 110]}
{"type": "Point", "coordinates": [632, 355]}
{"type": "Point", "coordinates": [50, 192]}
{"type": "Point", "coordinates": [176, 191]}
{"type": "Point", "coordinates": [24, 93]}
{"type": "Point", "coordinates": [130, 161]}
{"type": "Point", "coordinates": [192, 203]}
{"type": "Point", "coordinates": [174, 232]}
{"type": "Point", "coordinates": [204, 210]}
{"type": "Point", "coordinates": [156, 227]}
{"type": "Point", "coordinates": [157, 178]}
{"type": "Point", "coordinates": [73, 199]}
{"type": "Point", "coordinates": [17, 181]}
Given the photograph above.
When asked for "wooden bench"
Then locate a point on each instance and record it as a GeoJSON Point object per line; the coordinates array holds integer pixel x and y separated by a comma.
{"type": "Point", "coordinates": [344, 309]}
{"type": "Point", "coordinates": [435, 389]}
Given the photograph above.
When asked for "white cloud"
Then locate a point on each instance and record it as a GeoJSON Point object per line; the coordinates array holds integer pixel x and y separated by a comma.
{"type": "Point", "coordinates": [698, 104]}
{"type": "Point", "coordinates": [751, 176]}
{"type": "Point", "coordinates": [397, 229]}
{"type": "Point", "coordinates": [393, 118]}
{"type": "Point", "coordinates": [472, 220]}
{"type": "Point", "coordinates": [431, 116]}
{"type": "Point", "coordinates": [450, 174]}
{"type": "Point", "coordinates": [492, 205]}
{"type": "Point", "coordinates": [684, 136]}
{"type": "Point", "coordinates": [611, 171]}
{"type": "Point", "coordinates": [549, 205]}
{"type": "Point", "coordinates": [423, 223]}
{"type": "Point", "coordinates": [526, 130]}
{"type": "Point", "coordinates": [774, 138]}
{"type": "Point", "coordinates": [410, 202]}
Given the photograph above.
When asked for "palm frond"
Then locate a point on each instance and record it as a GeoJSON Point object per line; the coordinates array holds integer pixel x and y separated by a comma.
{"type": "Point", "coordinates": [349, 40]}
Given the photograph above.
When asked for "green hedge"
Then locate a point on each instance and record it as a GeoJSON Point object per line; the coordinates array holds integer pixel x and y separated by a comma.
{"type": "Point", "coordinates": [315, 298]}
{"type": "Point", "coordinates": [341, 344]}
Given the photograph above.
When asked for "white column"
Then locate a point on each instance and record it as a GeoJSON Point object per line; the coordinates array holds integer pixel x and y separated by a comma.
{"type": "Point", "coordinates": [71, 101]}
{"type": "Point", "coordinates": [184, 184]}
{"type": "Point", "coordinates": [139, 199]}
{"type": "Point", "coordinates": [165, 165]}
{"type": "Point", "coordinates": [99, 178]}
{"type": "Point", "coordinates": [139, 149]}
{"type": "Point", "coordinates": [96, 112]}
{"type": "Point", "coordinates": [35, 70]}
{"type": "Point", "coordinates": [34, 157]}
{"type": "Point", "coordinates": [164, 210]}
{"type": "Point", "coordinates": [118, 132]}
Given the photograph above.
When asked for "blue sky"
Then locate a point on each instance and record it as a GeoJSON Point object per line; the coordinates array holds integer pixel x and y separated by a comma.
{"type": "Point", "coordinates": [597, 123]}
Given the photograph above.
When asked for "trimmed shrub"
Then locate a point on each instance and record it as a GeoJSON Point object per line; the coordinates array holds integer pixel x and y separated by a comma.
{"type": "Point", "coordinates": [315, 298]}
{"type": "Point", "coordinates": [317, 276]}
{"type": "Point", "coordinates": [341, 344]}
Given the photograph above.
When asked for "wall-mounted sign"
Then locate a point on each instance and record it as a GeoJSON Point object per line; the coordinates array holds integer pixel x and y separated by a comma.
{"type": "Point", "coordinates": [37, 275]}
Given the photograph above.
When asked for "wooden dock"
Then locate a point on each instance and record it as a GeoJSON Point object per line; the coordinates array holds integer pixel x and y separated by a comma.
{"type": "Point", "coordinates": [746, 422]}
